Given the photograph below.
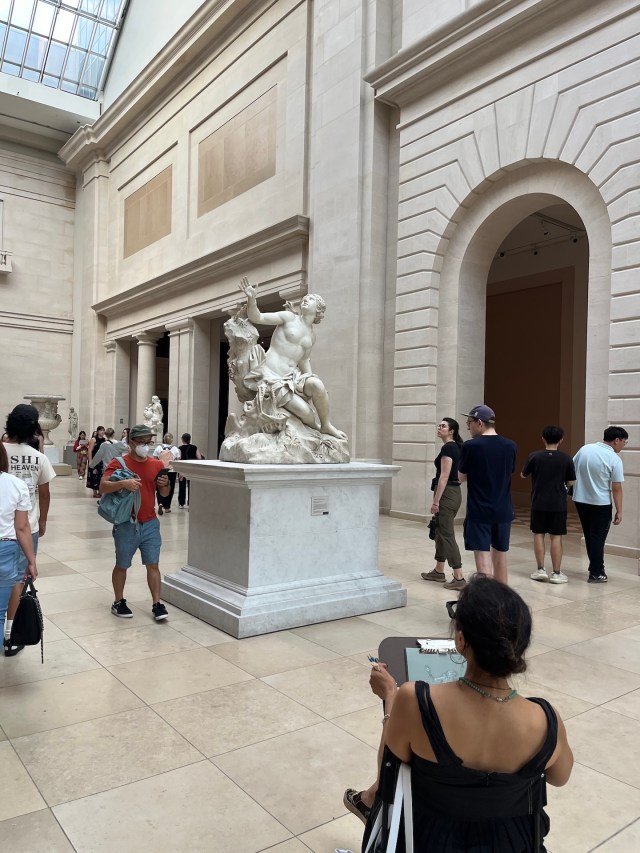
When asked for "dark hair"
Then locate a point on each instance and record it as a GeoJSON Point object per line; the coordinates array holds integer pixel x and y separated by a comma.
{"type": "Point", "coordinates": [455, 426]}
{"type": "Point", "coordinates": [82, 432]}
{"type": "Point", "coordinates": [4, 459]}
{"type": "Point", "coordinates": [496, 623]}
{"type": "Point", "coordinates": [22, 424]}
{"type": "Point", "coordinates": [98, 429]}
{"type": "Point", "coordinates": [613, 432]}
{"type": "Point", "coordinates": [553, 434]}
{"type": "Point", "coordinates": [186, 438]}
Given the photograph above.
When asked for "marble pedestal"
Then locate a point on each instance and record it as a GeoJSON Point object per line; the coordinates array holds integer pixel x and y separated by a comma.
{"type": "Point", "coordinates": [279, 546]}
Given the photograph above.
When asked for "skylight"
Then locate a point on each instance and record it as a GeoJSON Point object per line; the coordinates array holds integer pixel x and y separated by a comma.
{"type": "Point", "coordinates": [65, 44]}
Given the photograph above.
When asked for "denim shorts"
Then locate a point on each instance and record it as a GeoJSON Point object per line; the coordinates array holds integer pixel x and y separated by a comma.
{"type": "Point", "coordinates": [22, 560]}
{"type": "Point", "coordinates": [9, 571]}
{"type": "Point", "coordinates": [129, 537]}
{"type": "Point", "coordinates": [482, 536]}
{"type": "Point", "coordinates": [9, 574]}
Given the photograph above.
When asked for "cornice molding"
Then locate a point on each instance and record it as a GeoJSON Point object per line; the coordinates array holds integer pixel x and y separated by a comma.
{"type": "Point", "coordinates": [270, 241]}
{"type": "Point", "coordinates": [182, 52]}
{"type": "Point", "coordinates": [14, 320]}
{"type": "Point", "coordinates": [474, 38]}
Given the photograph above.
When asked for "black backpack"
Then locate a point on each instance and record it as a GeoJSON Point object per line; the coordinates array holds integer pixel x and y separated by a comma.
{"type": "Point", "coordinates": [28, 624]}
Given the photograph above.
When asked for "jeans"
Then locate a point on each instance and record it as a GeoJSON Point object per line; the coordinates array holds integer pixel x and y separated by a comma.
{"type": "Point", "coordinates": [596, 521]}
{"type": "Point", "coordinates": [446, 545]}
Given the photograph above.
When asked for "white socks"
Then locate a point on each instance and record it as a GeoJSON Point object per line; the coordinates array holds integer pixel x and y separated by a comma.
{"type": "Point", "coordinates": [7, 628]}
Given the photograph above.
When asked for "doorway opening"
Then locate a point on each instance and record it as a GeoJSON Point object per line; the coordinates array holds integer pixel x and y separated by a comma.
{"type": "Point", "coordinates": [536, 333]}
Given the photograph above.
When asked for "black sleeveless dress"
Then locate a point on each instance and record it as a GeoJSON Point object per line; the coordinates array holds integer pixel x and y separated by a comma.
{"type": "Point", "coordinates": [457, 809]}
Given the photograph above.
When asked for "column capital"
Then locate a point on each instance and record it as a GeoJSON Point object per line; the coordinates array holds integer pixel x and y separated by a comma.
{"type": "Point", "coordinates": [177, 327]}
{"type": "Point", "coordinates": [110, 346]}
{"type": "Point", "coordinates": [146, 339]}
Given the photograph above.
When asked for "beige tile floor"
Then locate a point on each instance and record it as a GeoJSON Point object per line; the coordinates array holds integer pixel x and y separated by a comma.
{"type": "Point", "coordinates": [176, 737]}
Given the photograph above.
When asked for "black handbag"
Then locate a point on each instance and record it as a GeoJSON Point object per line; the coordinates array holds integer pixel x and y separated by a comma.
{"type": "Point", "coordinates": [28, 624]}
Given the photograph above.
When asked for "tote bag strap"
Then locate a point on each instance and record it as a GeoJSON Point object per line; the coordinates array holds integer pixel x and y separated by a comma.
{"type": "Point", "coordinates": [402, 803]}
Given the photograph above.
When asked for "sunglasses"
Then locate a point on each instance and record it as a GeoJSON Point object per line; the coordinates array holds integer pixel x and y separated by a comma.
{"type": "Point", "coordinates": [452, 606]}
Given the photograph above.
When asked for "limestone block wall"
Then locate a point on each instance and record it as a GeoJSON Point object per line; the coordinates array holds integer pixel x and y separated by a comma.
{"type": "Point", "coordinates": [542, 107]}
{"type": "Point", "coordinates": [36, 311]}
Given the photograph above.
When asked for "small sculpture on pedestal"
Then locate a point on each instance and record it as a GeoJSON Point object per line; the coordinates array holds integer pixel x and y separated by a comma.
{"type": "Point", "coordinates": [154, 415]}
{"type": "Point", "coordinates": [73, 423]}
{"type": "Point", "coordinates": [286, 406]}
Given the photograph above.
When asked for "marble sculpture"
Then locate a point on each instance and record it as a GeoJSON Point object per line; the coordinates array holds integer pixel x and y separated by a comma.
{"type": "Point", "coordinates": [285, 418]}
{"type": "Point", "coordinates": [154, 415]}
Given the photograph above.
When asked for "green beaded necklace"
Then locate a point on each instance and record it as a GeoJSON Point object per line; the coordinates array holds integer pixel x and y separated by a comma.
{"type": "Point", "coordinates": [484, 692]}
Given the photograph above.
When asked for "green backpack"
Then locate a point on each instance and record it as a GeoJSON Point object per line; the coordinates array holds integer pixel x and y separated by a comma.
{"type": "Point", "coordinates": [123, 505]}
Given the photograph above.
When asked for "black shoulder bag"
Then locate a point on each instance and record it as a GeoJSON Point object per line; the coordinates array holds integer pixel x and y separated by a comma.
{"type": "Point", "coordinates": [28, 624]}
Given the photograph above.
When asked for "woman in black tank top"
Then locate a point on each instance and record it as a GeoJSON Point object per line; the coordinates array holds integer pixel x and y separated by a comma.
{"type": "Point", "coordinates": [480, 754]}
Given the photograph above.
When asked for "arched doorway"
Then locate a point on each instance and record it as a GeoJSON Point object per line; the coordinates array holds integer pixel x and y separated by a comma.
{"type": "Point", "coordinates": [536, 324]}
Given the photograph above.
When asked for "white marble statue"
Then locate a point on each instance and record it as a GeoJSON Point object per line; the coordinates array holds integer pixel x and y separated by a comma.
{"type": "Point", "coordinates": [73, 423]}
{"type": "Point", "coordinates": [286, 406]}
{"type": "Point", "coordinates": [154, 415]}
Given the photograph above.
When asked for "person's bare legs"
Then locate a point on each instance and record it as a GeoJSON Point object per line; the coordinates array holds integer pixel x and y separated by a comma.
{"type": "Point", "coordinates": [153, 580]}
{"type": "Point", "coordinates": [499, 560]}
{"type": "Point", "coordinates": [118, 579]}
{"type": "Point", "coordinates": [539, 550]}
{"type": "Point", "coordinates": [555, 549]}
{"type": "Point", "coordinates": [14, 600]}
{"type": "Point", "coordinates": [484, 563]}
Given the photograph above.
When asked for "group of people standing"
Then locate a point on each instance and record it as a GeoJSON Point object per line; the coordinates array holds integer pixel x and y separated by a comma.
{"type": "Point", "coordinates": [486, 463]}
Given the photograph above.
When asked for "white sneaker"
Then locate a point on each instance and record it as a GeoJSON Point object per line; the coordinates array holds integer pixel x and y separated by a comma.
{"type": "Point", "coordinates": [558, 577]}
{"type": "Point", "coordinates": [539, 575]}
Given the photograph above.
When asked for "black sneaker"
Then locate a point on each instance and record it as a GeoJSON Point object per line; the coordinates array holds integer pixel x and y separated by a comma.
{"type": "Point", "coordinates": [159, 612]}
{"type": "Point", "coordinates": [119, 608]}
{"type": "Point", "coordinates": [598, 578]}
{"type": "Point", "coordinates": [9, 650]}
{"type": "Point", "coordinates": [160, 510]}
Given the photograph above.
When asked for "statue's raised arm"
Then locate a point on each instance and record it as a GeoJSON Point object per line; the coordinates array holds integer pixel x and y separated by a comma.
{"type": "Point", "coordinates": [274, 318]}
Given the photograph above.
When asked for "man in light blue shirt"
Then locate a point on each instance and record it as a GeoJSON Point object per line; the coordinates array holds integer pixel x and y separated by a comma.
{"type": "Point", "coordinates": [599, 479]}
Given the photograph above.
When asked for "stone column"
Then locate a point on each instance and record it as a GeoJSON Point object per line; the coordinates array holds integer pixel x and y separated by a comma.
{"type": "Point", "coordinates": [146, 374]}
{"type": "Point", "coordinates": [180, 341]}
{"type": "Point", "coordinates": [189, 371]}
{"type": "Point", "coordinates": [117, 379]}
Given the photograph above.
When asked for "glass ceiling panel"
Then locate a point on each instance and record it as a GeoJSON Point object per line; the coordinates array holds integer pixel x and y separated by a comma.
{"type": "Point", "coordinates": [61, 43]}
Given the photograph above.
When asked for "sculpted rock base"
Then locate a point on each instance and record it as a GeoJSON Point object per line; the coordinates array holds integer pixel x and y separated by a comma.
{"type": "Point", "coordinates": [295, 444]}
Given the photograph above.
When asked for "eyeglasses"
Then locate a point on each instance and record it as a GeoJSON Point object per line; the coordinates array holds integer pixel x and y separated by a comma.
{"type": "Point", "coordinates": [471, 421]}
{"type": "Point", "coordinates": [141, 443]}
{"type": "Point", "coordinates": [452, 606]}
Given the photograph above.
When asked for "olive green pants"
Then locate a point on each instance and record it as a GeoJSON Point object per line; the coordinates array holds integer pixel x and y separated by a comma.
{"type": "Point", "coordinates": [446, 545]}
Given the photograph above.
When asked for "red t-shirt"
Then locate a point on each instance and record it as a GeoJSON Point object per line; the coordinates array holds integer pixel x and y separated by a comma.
{"type": "Point", "coordinates": [147, 470]}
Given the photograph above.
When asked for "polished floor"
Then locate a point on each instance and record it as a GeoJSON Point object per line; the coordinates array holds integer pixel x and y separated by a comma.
{"type": "Point", "coordinates": [136, 736]}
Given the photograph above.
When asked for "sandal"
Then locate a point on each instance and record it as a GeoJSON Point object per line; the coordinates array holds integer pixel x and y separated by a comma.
{"type": "Point", "coordinates": [353, 801]}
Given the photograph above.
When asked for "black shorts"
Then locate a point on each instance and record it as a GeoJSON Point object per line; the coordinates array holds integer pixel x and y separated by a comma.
{"type": "Point", "coordinates": [482, 536]}
{"type": "Point", "coordinates": [554, 523]}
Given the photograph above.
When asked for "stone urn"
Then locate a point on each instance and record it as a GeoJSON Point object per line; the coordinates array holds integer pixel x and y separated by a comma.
{"type": "Point", "coordinates": [48, 416]}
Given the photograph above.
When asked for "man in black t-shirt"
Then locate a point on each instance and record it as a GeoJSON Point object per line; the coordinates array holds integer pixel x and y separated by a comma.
{"type": "Point", "coordinates": [486, 464]}
{"type": "Point", "coordinates": [188, 451]}
{"type": "Point", "coordinates": [552, 472]}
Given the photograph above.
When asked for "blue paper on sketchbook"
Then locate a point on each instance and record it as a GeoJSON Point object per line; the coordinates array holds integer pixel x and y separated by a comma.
{"type": "Point", "coordinates": [435, 661]}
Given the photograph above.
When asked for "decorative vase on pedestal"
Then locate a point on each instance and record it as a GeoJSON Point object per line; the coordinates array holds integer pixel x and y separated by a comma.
{"type": "Point", "coordinates": [47, 406]}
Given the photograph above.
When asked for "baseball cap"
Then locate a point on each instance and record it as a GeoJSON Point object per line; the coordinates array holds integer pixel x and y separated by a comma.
{"type": "Point", "coordinates": [481, 413]}
{"type": "Point", "coordinates": [24, 410]}
{"type": "Point", "coordinates": [140, 431]}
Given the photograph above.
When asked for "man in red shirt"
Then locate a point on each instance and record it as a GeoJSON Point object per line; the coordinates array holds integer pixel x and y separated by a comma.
{"type": "Point", "coordinates": [145, 535]}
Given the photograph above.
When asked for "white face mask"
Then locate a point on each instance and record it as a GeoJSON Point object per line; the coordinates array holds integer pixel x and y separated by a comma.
{"type": "Point", "coordinates": [142, 450]}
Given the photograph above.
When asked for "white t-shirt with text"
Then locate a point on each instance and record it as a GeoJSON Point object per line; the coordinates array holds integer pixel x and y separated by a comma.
{"type": "Point", "coordinates": [34, 469]}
